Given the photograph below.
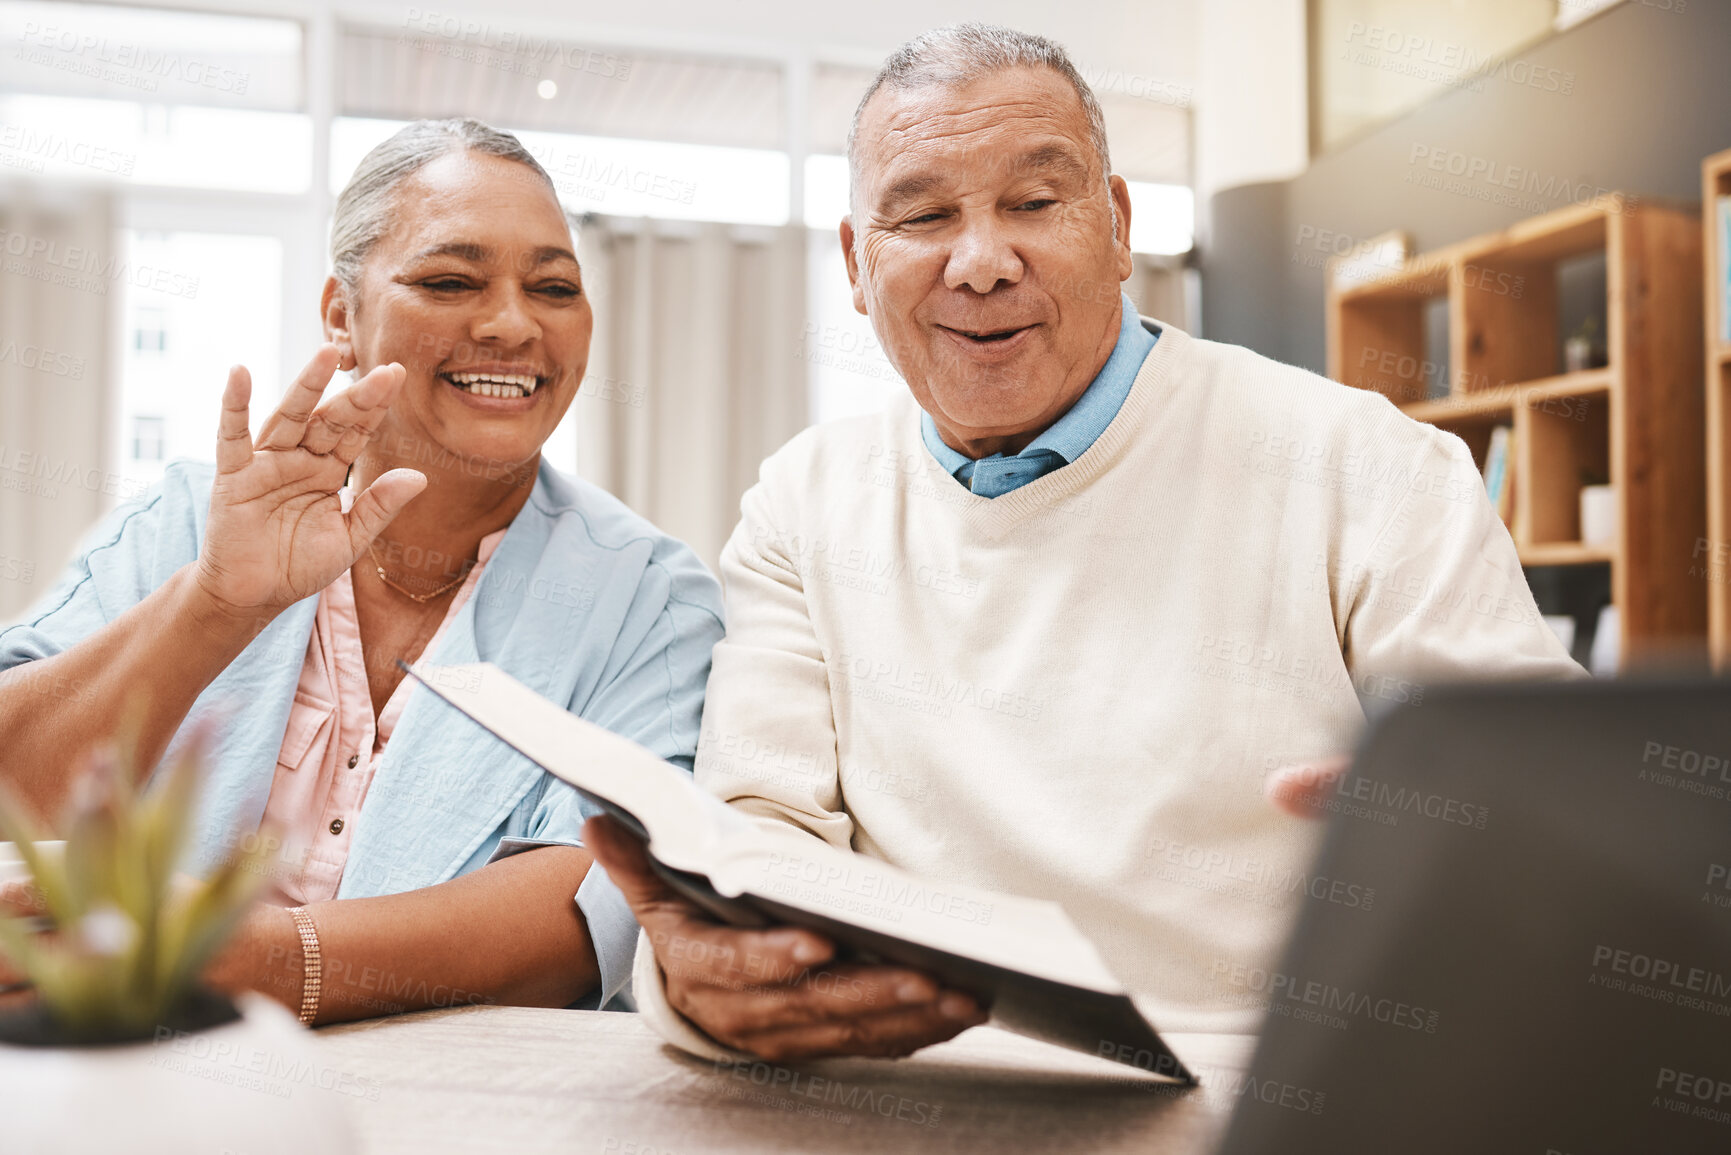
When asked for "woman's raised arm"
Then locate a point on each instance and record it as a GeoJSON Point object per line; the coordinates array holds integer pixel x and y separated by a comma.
{"type": "Point", "coordinates": [277, 533]}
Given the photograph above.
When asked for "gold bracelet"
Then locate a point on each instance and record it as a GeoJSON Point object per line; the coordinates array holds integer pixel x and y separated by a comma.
{"type": "Point", "coordinates": [312, 965]}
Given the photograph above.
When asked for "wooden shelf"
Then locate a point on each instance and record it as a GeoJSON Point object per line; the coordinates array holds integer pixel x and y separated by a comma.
{"type": "Point", "coordinates": [1503, 401]}
{"type": "Point", "coordinates": [1711, 566]}
{"type": "Point", "coordinates": [1567, 232]}
{"type": "Point", "coordinates": [1566, 553]}
{"type": "Point", "coordinates": [1636, 422]}
{"type": "Point", "coordinates": [1415, 282]}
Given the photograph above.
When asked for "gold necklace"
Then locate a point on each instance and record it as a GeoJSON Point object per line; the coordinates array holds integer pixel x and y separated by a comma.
{"type": "Point", "coordinates": [422, 598]}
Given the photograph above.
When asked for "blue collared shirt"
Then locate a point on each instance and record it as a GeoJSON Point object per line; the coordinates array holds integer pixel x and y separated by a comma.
{"type": "Point", "coordinates": [1065, 439]}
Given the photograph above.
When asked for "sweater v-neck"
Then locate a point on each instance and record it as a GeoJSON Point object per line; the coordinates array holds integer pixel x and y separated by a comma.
{"type": "Point", "coordinates": [993, 517]}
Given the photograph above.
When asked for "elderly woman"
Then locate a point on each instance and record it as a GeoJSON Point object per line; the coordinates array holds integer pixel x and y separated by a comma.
{"type": "Point", "coordinates": [265, 602]}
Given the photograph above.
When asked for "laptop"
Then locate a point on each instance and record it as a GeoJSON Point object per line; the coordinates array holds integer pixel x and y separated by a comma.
{"type": "Point", "coordinates": [1546, 967]}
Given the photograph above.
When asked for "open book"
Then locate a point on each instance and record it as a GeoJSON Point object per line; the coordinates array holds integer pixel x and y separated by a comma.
{"type": "Point", "coordinates": [1021, 956]}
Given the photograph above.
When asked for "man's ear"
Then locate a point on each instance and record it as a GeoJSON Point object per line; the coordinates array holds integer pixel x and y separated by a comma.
{"type": "Point", "coordinates": [852, 259]}
{"type": "Point", "coordinates": [335, 313]}
{"type": "Point", "coordinates": [1120, 193]}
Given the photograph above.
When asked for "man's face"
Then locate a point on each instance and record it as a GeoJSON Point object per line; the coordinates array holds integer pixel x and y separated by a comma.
{"type": "Point", "coordinates": [986, 256]}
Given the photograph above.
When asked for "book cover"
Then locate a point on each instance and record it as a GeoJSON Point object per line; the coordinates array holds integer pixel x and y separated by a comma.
{"type": "Point", "coordinates": [1497, 464]}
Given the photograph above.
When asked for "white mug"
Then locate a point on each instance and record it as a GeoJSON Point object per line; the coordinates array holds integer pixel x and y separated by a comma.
{"type": "Point", "coordinates": [1598, 515]}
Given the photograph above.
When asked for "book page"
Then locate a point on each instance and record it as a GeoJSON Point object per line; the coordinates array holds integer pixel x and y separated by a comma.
{"type": "Point", "coordinates": [692, 830]}
{"type": "Point", "coordinates": [686, 825]}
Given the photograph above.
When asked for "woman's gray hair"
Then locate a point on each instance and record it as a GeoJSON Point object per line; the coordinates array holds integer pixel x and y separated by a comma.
{"type": "Point", "coordinates": [962, 53]}
{"type": "Point", "coordinates": [364, 208]}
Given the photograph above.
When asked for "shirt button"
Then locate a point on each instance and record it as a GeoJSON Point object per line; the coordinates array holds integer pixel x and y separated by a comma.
{"type": "Point", "coordinates": [336, 826]}
{"type": "Point", "coordinates": [354, 760]}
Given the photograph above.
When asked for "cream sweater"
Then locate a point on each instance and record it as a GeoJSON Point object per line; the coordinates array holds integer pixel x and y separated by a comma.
{"type": "Point", "coordinates": [1076, 690]}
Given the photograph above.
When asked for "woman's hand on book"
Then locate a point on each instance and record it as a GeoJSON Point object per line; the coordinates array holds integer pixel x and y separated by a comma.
{"type": "Point", "coordinates": [777, 993]}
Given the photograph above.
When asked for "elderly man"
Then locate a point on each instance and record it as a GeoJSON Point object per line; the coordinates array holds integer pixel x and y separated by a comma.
{"type": "Point", "coordinates": [1047, 626]}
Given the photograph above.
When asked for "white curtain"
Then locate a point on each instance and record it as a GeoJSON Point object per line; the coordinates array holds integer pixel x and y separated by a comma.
{"type": "Point", "coordinates": [695, 374]}
{"type": "Point", "coordinates": [60, 288]}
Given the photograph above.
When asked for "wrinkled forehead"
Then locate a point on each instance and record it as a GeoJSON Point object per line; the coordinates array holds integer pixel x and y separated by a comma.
{"type": "Point", "coordinates": [1000, 125]}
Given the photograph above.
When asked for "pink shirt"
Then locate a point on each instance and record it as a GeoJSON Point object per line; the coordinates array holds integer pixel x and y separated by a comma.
{"type": "Point", "coordinates": [332, 746]}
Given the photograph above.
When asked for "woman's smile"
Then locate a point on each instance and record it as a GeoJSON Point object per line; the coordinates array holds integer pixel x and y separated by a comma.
{"type": "Point", "coordinates": [499, 388]}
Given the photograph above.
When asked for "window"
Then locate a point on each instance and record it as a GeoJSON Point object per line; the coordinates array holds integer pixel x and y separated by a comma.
{"type": "Point", "coordinates": [200, 302]}
{"type": "Point", "coordinates": [136, 95]}
{"type": "Point", "coordinates": [147, 438]}
{"type": "Point", "coordinates": [150, 333]}
{"type": "Point", "coordinates": [627, 178]}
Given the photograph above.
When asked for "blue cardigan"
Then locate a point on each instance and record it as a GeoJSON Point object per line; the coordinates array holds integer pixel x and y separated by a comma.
{"type": "Point", "coordinates": [583, 601]}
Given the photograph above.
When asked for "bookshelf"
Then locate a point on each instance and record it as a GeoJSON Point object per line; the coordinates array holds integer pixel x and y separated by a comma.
{"type": "Point", "coordinates": [1715, 562]}
{"type": "Point", "coordinates": [1633, 421]}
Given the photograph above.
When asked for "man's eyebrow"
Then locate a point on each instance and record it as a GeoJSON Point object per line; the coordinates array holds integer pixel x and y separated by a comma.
{"type": "Point", "coordinates": [906, 189]}
{"type": "Point", "coordinates": [1058, 158]}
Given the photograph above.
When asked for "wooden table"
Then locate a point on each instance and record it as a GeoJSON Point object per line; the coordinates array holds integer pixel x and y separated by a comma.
{"type": "Point", "coordinates": [520, 1080]}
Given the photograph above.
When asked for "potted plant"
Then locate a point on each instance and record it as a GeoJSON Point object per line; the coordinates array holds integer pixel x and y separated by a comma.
{"type": "Point", "coordinates": [109, 1041]}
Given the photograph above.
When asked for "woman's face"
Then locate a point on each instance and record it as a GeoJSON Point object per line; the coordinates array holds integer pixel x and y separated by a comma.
{"type": "Point", "coordinates": [475, 291]}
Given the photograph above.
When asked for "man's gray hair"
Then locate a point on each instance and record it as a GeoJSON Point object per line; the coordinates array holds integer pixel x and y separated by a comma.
{"type": "Point", "coordinates": [365, 206]}
{"type": "Point", "coordinates": [962, 53]}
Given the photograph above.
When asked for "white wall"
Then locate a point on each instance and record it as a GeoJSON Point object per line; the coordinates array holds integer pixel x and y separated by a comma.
{"type": "Point", "coordinates": [1251, 99]}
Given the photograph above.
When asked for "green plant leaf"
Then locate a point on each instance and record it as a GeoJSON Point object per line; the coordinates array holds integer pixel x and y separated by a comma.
{"type": "Point", "coordinates": [18, 943]}
{"type": "Point", "coordinates": [132, 962]}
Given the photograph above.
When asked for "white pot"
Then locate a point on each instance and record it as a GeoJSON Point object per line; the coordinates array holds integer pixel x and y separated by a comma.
{"type": "Point", "coordinates": [257, 1085]}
